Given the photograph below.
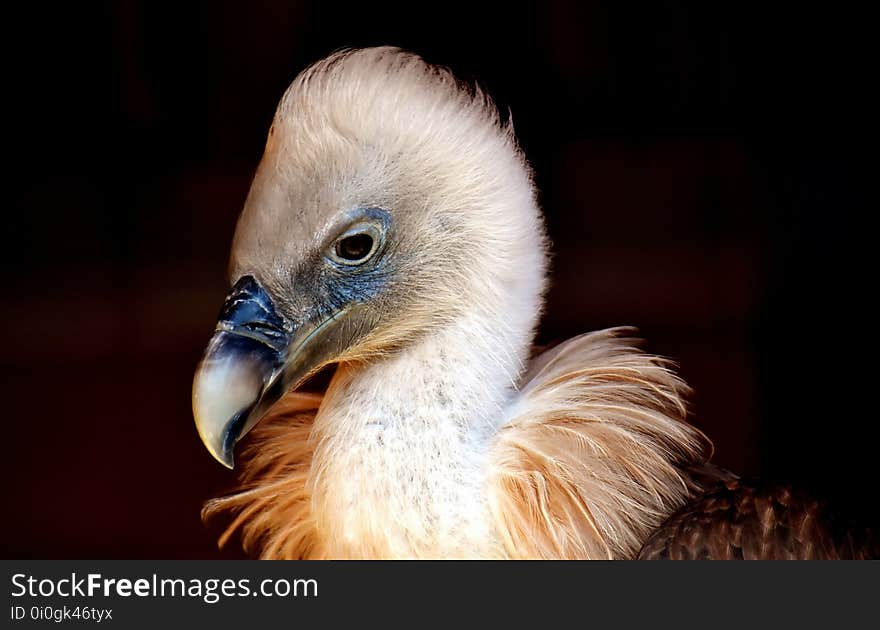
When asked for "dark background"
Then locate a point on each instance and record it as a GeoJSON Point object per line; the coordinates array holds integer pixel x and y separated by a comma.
{"type": "Point", "coordinates": [704, 172]}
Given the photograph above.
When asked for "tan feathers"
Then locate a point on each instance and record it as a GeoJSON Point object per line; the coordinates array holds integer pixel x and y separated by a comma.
{"type": "Point", "coordinates": [273, 508]}
{"type": "Point", "coordinates": [592, 459]}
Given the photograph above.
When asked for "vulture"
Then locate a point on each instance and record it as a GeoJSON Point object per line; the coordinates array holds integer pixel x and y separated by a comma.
{"type": "Point", "coordinates": [392, 231]}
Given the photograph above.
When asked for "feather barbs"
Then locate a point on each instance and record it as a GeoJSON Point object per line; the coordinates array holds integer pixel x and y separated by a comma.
{"type": "Point", "coordinates": [595, 457]}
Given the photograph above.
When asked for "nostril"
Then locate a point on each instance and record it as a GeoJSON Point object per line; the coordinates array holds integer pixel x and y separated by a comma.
{"type": "Point", "coordinates": [249, 312]}
{"type": "Point", "coordinates": [256, 325]}
{"type": "Point", "coordinates": [264, 328]}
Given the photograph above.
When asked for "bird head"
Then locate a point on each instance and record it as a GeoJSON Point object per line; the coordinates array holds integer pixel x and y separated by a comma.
{"type": "Point", "coordinates": [390, 200]}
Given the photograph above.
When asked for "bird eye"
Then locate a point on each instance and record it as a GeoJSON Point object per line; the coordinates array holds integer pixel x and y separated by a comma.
{"type": "Point", "coordinates": [363, 239]}
{"type": "Point", "coordinates": [354, 248]}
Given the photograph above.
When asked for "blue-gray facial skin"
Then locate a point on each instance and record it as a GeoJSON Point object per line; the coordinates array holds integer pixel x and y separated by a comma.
{"type": "Point", "coordinates": [348, 281]}
{"type": "Point", "coordinates": [329, 311]}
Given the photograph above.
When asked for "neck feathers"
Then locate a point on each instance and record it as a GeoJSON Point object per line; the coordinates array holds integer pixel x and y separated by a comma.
{"type": "Point", "coordinates": [411, 433]}
{"type": "Point", "coordinates": [584, 460]}
{"type": "Point", "coordinates": [596, 453]}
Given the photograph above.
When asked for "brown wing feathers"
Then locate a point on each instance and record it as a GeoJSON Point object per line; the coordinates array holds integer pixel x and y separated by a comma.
{"type": "Point", "coordinates": [751, 521]}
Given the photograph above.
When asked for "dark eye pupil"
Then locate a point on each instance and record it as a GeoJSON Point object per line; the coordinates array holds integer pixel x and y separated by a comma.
{"type": "Point", "coordinates": [354, 247]}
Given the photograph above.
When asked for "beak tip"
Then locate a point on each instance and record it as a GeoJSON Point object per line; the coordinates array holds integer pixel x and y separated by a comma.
{"type": "Point", "coordinates": [219, 451]}
{"type": "Point", "coordinates": [224, 392]}
{"type": "Point", "coordinates": [226, 459]}
{"type": "Point", "coordinates": [219, 446]}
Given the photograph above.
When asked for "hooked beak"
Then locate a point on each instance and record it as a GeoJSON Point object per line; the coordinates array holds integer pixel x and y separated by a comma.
{"type": "Point", "coordinates": [253, 358]}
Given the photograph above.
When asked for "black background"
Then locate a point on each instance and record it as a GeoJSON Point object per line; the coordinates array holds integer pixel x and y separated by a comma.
{"type": "Point", "coordinates": [703, 168]}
